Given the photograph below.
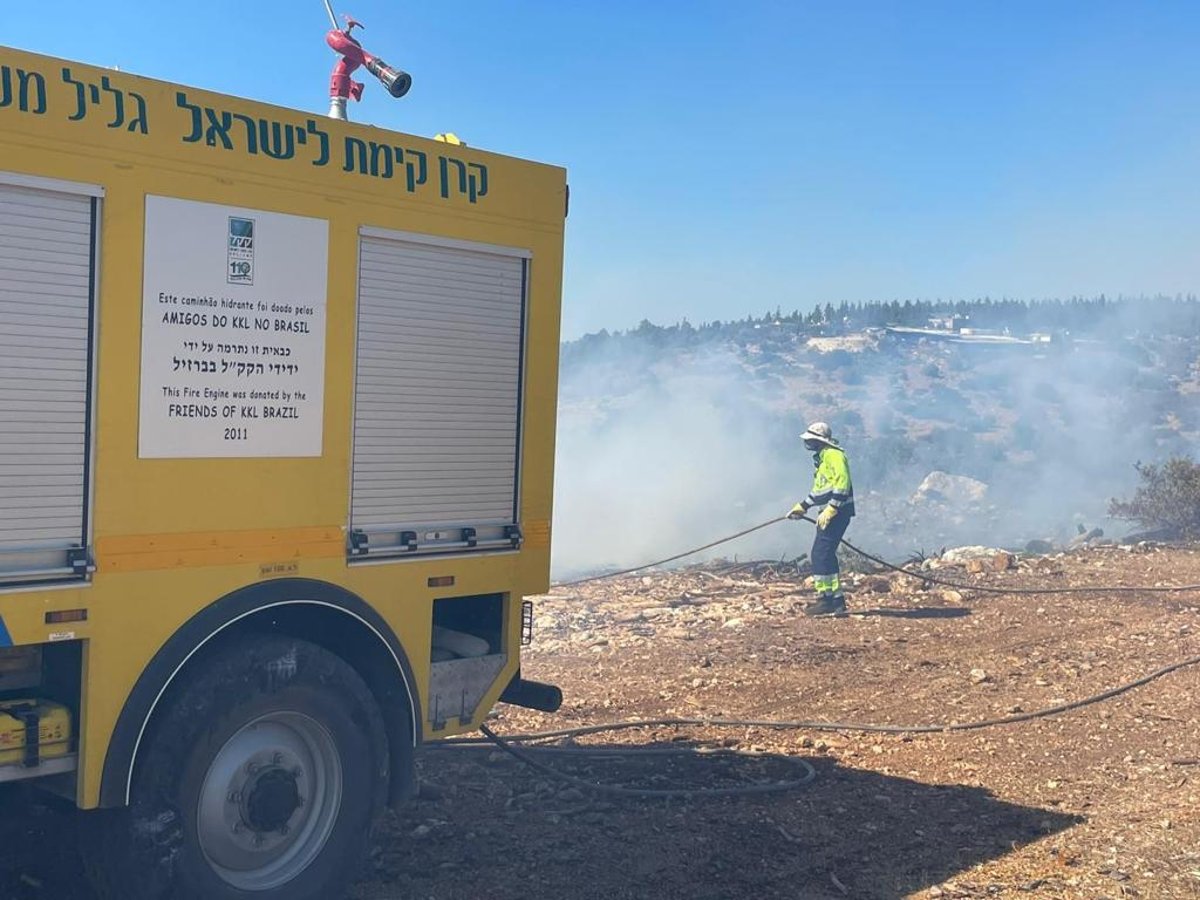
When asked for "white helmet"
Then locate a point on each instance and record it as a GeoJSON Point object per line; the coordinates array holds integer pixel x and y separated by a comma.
{"type": "Point", "coordinates": [820, 433]}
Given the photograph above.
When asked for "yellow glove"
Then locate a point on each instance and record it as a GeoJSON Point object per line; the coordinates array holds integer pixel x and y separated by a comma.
{"type": "Point", "coordinates": [798, 511]}
{"type": "Point", "coordinates": [826, 517]}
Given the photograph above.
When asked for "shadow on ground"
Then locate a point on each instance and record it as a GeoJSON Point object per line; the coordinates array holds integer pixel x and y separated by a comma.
{"type": "Point", "coordinates": [489, 828]}
{"type": "Point", "coordinates": [38, 849]}
{"type": "Point", "coordinates": [498, 831]}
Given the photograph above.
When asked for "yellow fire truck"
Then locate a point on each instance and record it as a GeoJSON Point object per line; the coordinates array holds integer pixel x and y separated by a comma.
{"type": "Point", "coordinates": [277, 405]}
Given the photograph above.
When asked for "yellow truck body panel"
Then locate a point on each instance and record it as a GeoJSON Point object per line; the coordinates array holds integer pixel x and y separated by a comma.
{"type": "Point", "coordinates": [169, 535]}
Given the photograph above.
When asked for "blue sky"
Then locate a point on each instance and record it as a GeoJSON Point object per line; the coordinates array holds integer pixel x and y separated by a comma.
{"type": "Point", "coordinates": [726, 158]}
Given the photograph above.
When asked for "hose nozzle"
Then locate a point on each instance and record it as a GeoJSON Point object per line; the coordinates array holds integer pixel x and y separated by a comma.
{"type": "Point", "coordinates": [397, 81]}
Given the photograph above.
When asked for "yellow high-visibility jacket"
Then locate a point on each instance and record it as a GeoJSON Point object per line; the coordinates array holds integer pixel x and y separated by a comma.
{"type": "Point", "coordinates": [831, 483]}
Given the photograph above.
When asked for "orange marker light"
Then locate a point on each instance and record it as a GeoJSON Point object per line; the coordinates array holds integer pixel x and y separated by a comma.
{"type": "Point", "coordinates": [66, 615]}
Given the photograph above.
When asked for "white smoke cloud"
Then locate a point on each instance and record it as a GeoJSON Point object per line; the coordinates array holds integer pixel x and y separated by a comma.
{"type": "Point", "coordinates": [665, 445]}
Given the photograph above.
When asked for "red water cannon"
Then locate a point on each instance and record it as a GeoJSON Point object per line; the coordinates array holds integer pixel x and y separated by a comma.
{"type": "Point", "coordinates": [341, 86]}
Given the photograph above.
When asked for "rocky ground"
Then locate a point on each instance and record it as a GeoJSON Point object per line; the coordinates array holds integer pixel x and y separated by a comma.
{"type": "Point", "coordinates": [1100, 802]}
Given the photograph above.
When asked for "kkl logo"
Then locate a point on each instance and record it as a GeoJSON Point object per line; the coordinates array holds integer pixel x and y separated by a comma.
{"type": "Point", "coordinates": [240, 268]}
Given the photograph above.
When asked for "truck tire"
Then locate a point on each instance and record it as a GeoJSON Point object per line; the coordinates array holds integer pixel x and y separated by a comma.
{"type": "Point", "coordinates": [260, 779]}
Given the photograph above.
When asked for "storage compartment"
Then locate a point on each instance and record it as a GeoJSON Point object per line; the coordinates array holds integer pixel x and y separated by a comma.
{"type": "Point", "coordinates": [467, 655]}
{"type": "Point", "coordinates": [47, 279]}
{"type": "Point", "coordinates": [438, 396]}
{"type": "Point", "coordinates": [467, 627]}
{"type": "Point", "coordinates": [39, 702]}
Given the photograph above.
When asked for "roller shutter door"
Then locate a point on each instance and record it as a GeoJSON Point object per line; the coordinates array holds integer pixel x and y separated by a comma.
{"type": "Point", "coordinates": [437, 397]}
{"type": "Point", "coordinates": [46, 287]}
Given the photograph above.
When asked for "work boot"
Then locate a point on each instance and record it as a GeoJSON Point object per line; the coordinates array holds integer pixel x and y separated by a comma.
{"type": "Point", "coordinates": [827, 605]}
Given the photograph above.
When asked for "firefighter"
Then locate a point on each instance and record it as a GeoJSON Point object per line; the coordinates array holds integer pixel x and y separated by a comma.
{"type": "Point", "coordinates": [833, 490]}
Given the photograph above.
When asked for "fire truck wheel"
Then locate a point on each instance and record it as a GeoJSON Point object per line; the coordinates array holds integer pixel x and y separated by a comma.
{"type": "Point", "coordinates": [261, 779]}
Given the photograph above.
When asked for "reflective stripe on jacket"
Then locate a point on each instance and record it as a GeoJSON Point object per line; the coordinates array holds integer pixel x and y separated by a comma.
{"type": "Point", "coordinates": [831, 483]}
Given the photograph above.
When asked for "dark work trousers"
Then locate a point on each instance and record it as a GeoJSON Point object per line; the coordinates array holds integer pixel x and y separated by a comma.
{"type": "Point", "coordinates": [826, 573]}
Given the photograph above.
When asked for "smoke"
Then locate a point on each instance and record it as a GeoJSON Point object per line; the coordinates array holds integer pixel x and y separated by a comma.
{"type": "Point", "coordinates": [669, 439]}
{"type": "Point", "coordinates": [659, 455]}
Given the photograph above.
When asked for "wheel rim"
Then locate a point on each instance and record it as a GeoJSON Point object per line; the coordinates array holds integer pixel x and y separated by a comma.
{"type": "Point", "coordinates": [269, 801]}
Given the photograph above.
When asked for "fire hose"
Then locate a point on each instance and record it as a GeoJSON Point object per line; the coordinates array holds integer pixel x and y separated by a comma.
{"type": "Point", "coordinates": [530, 742]}
{"type": "Point", "coordinates": [508, 743]}
{"type": "Point", "coordinates": [923, 576]}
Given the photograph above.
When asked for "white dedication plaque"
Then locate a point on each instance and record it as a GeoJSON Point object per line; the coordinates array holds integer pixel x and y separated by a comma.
{"type": "Point", "coordinates": [233, 332]}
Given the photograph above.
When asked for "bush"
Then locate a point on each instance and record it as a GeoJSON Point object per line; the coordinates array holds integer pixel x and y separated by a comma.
{"type": "Point", "coordinates": [1168, 497]}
